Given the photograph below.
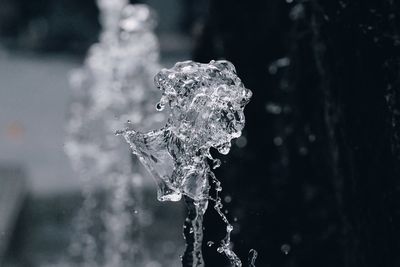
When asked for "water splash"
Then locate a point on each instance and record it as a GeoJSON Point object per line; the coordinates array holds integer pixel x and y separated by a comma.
{"type": "Point", "coordinates": [205, 103]}
{"type": "Point", "coordinates": [252, 258]}
{"type": "Point", "coordinates": [114, 84]}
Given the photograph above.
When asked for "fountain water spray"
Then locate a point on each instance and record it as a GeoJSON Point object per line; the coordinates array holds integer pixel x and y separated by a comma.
{"type": "Point", "coordinates": [114, 84]}
{"type": "Point", "coordinates": [205, 103]}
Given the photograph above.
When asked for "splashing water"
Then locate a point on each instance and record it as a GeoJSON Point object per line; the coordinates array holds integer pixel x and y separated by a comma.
{"type": "Point", "coordinates": [115, 84]}
{"type": "Point", "coordinates": [205, 103]}
{"type": "Point", "coordinates": [252, 258]}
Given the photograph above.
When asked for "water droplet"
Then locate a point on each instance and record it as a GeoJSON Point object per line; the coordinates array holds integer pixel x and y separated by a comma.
{"type": "Point", "coordinates": [252, 257]}
{"type": "Point", "coordinates": [285, 248]}
{"type": "Point", "coordinates": [210, 243]}
{"type": "Point", "coordinates": [218, 188]}
{"type": "Point", "coordinates": [228, 199]}
{"type": "Point", "coordinates": [224, 148]}
{"type": "Point", "coordinates": [278, 141]}
{"type": "Point", "coordinates": [216, 163]}
{"type": "Point", "coordinates": [280, 63]}
{"type": "Point", "coordinates": [273, 108]}
{"type": "Point", "coordinates": [160, 106]}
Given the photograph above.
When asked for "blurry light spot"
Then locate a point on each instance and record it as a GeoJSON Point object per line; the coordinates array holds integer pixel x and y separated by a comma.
{"type": "Point", "coordinates": [273, 108]}
{"type": "Point", "coordinates": [276, 65]}
{"type": "Point", "coordinates": [297, 12]}
{"type": "Point", "coordinates": [241, 141]}
{"type": "Point", "coordinates": [312, 138]}
{"type": "Point", "coordinates": [303, 151]}
{"type": "Point", "coordinates": [278, 141]}
{"type": "Point", "coordinates": [228, 199]}
{"type": "Point", "coordinates": [296, 238]}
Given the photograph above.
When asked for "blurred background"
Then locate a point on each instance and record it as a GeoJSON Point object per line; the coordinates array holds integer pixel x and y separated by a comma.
{"type": "Point", "coordinates": [313, 181]}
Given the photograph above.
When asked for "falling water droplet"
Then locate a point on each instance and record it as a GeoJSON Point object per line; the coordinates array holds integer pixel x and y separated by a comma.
{"type": "Point", "coordinates": [224, 148]}
{"type": "Point", "coordinates": [285, 248]}
{"type": "Point", "coordinates": [160, 106]}
{"type": "Point", "coordinates": [252, 258]}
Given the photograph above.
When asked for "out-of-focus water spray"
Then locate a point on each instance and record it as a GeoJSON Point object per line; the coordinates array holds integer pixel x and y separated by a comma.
{"type": "Point", "coordinates": [205, 103]}
{"type": "Point", "coordinates": [114, 85]}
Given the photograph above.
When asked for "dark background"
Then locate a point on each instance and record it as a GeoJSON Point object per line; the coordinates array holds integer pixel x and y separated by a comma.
{"type": "Point", "coordinates": [318, 181]}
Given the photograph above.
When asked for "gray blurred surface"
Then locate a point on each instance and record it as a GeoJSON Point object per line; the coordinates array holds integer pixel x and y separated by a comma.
{"type": "Point", "coordinates": [12, 195]}
{"type": "Point", "coordinates": [34, 94]}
